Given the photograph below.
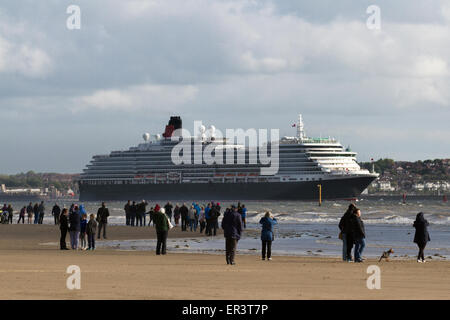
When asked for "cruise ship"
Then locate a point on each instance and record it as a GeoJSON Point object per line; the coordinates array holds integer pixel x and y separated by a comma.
{"type": "Point", "coordinates": [308, 169]}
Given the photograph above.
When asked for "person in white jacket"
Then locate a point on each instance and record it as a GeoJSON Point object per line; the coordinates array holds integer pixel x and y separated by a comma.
{"type": "Point", "coordinates": [202, 219]}
{"type": "Point", "coordinates": [191, 216]}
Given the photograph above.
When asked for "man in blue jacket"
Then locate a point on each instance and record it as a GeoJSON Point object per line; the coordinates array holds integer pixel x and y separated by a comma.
{"type": "Point", "coordinates": [208, 219]}
{"type": "Point", "coordinates": [232, 227]}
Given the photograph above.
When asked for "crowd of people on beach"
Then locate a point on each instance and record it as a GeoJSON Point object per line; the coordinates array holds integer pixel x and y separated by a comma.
{"type": "Point", "coordinates": [38, 211]}
{"type": "Point", "coordinates": [81, 230]}
{"type": "Point", "coordinates": [192, 217]}
{"type": "Point", "coordinates": [84, 228]}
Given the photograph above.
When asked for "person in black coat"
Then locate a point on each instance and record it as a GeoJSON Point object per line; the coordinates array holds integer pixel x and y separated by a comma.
{"type": "Point", "coordinates": [345, 225]}
{"type": "Point", "coordinates": [184, 211]}
{"type": "Point", "coordinates": [36, 213]}
{"type": "Point", "coordinates": [214, 215]}
{"type": "Point", "coordinates": [232, 229]}
{"type": "Point", "coordinates": [74, 227]}
{"type": "Point", "coordinates": [133, 212]}
{"type": "Point", "coordinates": [139, 214]}
{"type": "Point", "coordinates": [56, 211]}
{"type": "Point", "coordinates": [102, 219]}
{"type": "Point", "coordinates": [168, 207]}
{"type": "Point", "coordinates": [359, 234]}
{"type": "Point", "coordinates": [127, 209]}
{"type": "Point", "coordinates": [421, 237]}
{"type": "Point", "coordinates": [63, 226]}
{"type": "Point", "coordinates": [143, 208]}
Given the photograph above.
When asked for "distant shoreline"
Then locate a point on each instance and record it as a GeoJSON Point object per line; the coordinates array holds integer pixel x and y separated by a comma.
{"type": "Point", "coordinates": [400, 197]}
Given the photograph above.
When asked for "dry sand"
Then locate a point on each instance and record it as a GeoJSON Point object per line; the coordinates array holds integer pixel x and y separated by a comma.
{"type": "Point", "coordinates": [30, 270]}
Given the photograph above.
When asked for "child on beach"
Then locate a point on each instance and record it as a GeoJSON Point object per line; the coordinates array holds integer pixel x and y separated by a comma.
{"type": "Point", "coordinates": [83, 225]}
{"type": "Point", "coordinates": [91, 230]}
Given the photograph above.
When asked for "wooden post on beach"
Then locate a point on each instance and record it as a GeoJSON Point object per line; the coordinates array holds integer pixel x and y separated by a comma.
{"type": "Point", "coordinates": [320, 194]}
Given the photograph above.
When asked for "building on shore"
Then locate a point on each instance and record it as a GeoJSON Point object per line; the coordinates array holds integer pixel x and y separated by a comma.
{"type": "Point", "coordinates": [33, 193]}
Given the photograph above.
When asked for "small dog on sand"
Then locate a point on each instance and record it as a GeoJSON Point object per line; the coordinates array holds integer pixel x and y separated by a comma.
{"type": "Point", "coordinates": [386, 255]}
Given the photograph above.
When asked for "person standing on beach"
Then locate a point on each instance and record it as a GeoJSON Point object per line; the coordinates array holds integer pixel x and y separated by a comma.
{"type": "Point", "coordinates": [421, 236]}
{"type": "Point", "coordinates": [359, 235]}
{"type": "Point", "coordinates": [162, 229]}
{"type": "Point", "coordinates": [30, 212]}
{"type": "Point", "coordinates": [267, 222]}
{"type": "Point", "coordinates": [41, 212]}
{"type": "Point", "coordinates": [243, 214]}
{"type": "Point", "coordinates": [345, 225]}
{"type": "Point", "coordinates": [74, 227]}
{"type": "Point", "coordinates": [202, 219]}
{"type": "Point", "coordinates": [218, 208]}
{"type": "Point", "coordinates": [5, 208]}
{"type": "Point", "coordinates": [191, 216]}
{"type": "Point", "coordinates": [133, 211]}
{"type": "Point", "coordinates": [143, 209]}
{"type": "Point", "coordinates": [102, 218]}
{"type": "Point", "coordinates": [138, 214]}
{"type": "Point", "coordinates": [63, 226]}
{"type": "Point", "coordinates": [207, 218]}
{"type": "Point", "coordinates": [127, 209]}
{"type": "Point", "coordinates": [168, 207]}
{"type": "Point", "coordinates": [150, 215]}
{"type": "Point", "coordinates": [184, 211]}
{"type": "Point", "coordinates": [91, 230]}
{"type": "Point", "coordinates": [10, 213]}
{"type": "Point", "coordinates": [36, 213]}
{"type": "Point", "coordinates": [176, 214]}
{"type": "Point", "coordinates": [214, 214]}
{"type": "Point", "coordinates": [197, 214]}
{"type": "Point", "coordinates": [56, 211]}
{"type": "Point", "coordinates": [83, 227]}
{"type": "Point", "coordinates": [232, 229]}
{"type": "Point", "coordinates": [22, 215]}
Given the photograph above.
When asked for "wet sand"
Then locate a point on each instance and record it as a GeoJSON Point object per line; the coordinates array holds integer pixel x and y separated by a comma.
{"type": "Point", "coordinates": [30, 270]}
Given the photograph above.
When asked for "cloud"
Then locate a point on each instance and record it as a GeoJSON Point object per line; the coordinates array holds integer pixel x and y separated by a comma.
{"type": "Point", "coordinates": [147, 96]}
{"type": "Point", "coordinates": [446, 12]}
{"type": "Point", "coordinates": [21, 51]}
{"type": "Point", "coordinates": [24, 59]}
{"type": "Point", "coordinates": [265, 64]}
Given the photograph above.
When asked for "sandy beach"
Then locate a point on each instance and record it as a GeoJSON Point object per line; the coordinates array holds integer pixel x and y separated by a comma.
{"type": "Point", "coordinates": [29, 269]}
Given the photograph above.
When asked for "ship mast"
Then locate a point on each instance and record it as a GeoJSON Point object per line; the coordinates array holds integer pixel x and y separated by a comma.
{"type": "Point", "coordinates": [300, 131]}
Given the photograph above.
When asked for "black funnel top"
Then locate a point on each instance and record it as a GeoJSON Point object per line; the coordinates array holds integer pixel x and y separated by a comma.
{"type": "Point", "coordinates": [176, 122]}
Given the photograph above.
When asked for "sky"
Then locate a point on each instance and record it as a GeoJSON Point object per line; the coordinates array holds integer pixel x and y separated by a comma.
{"type": "Point", "coordinates": [66, 95]}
